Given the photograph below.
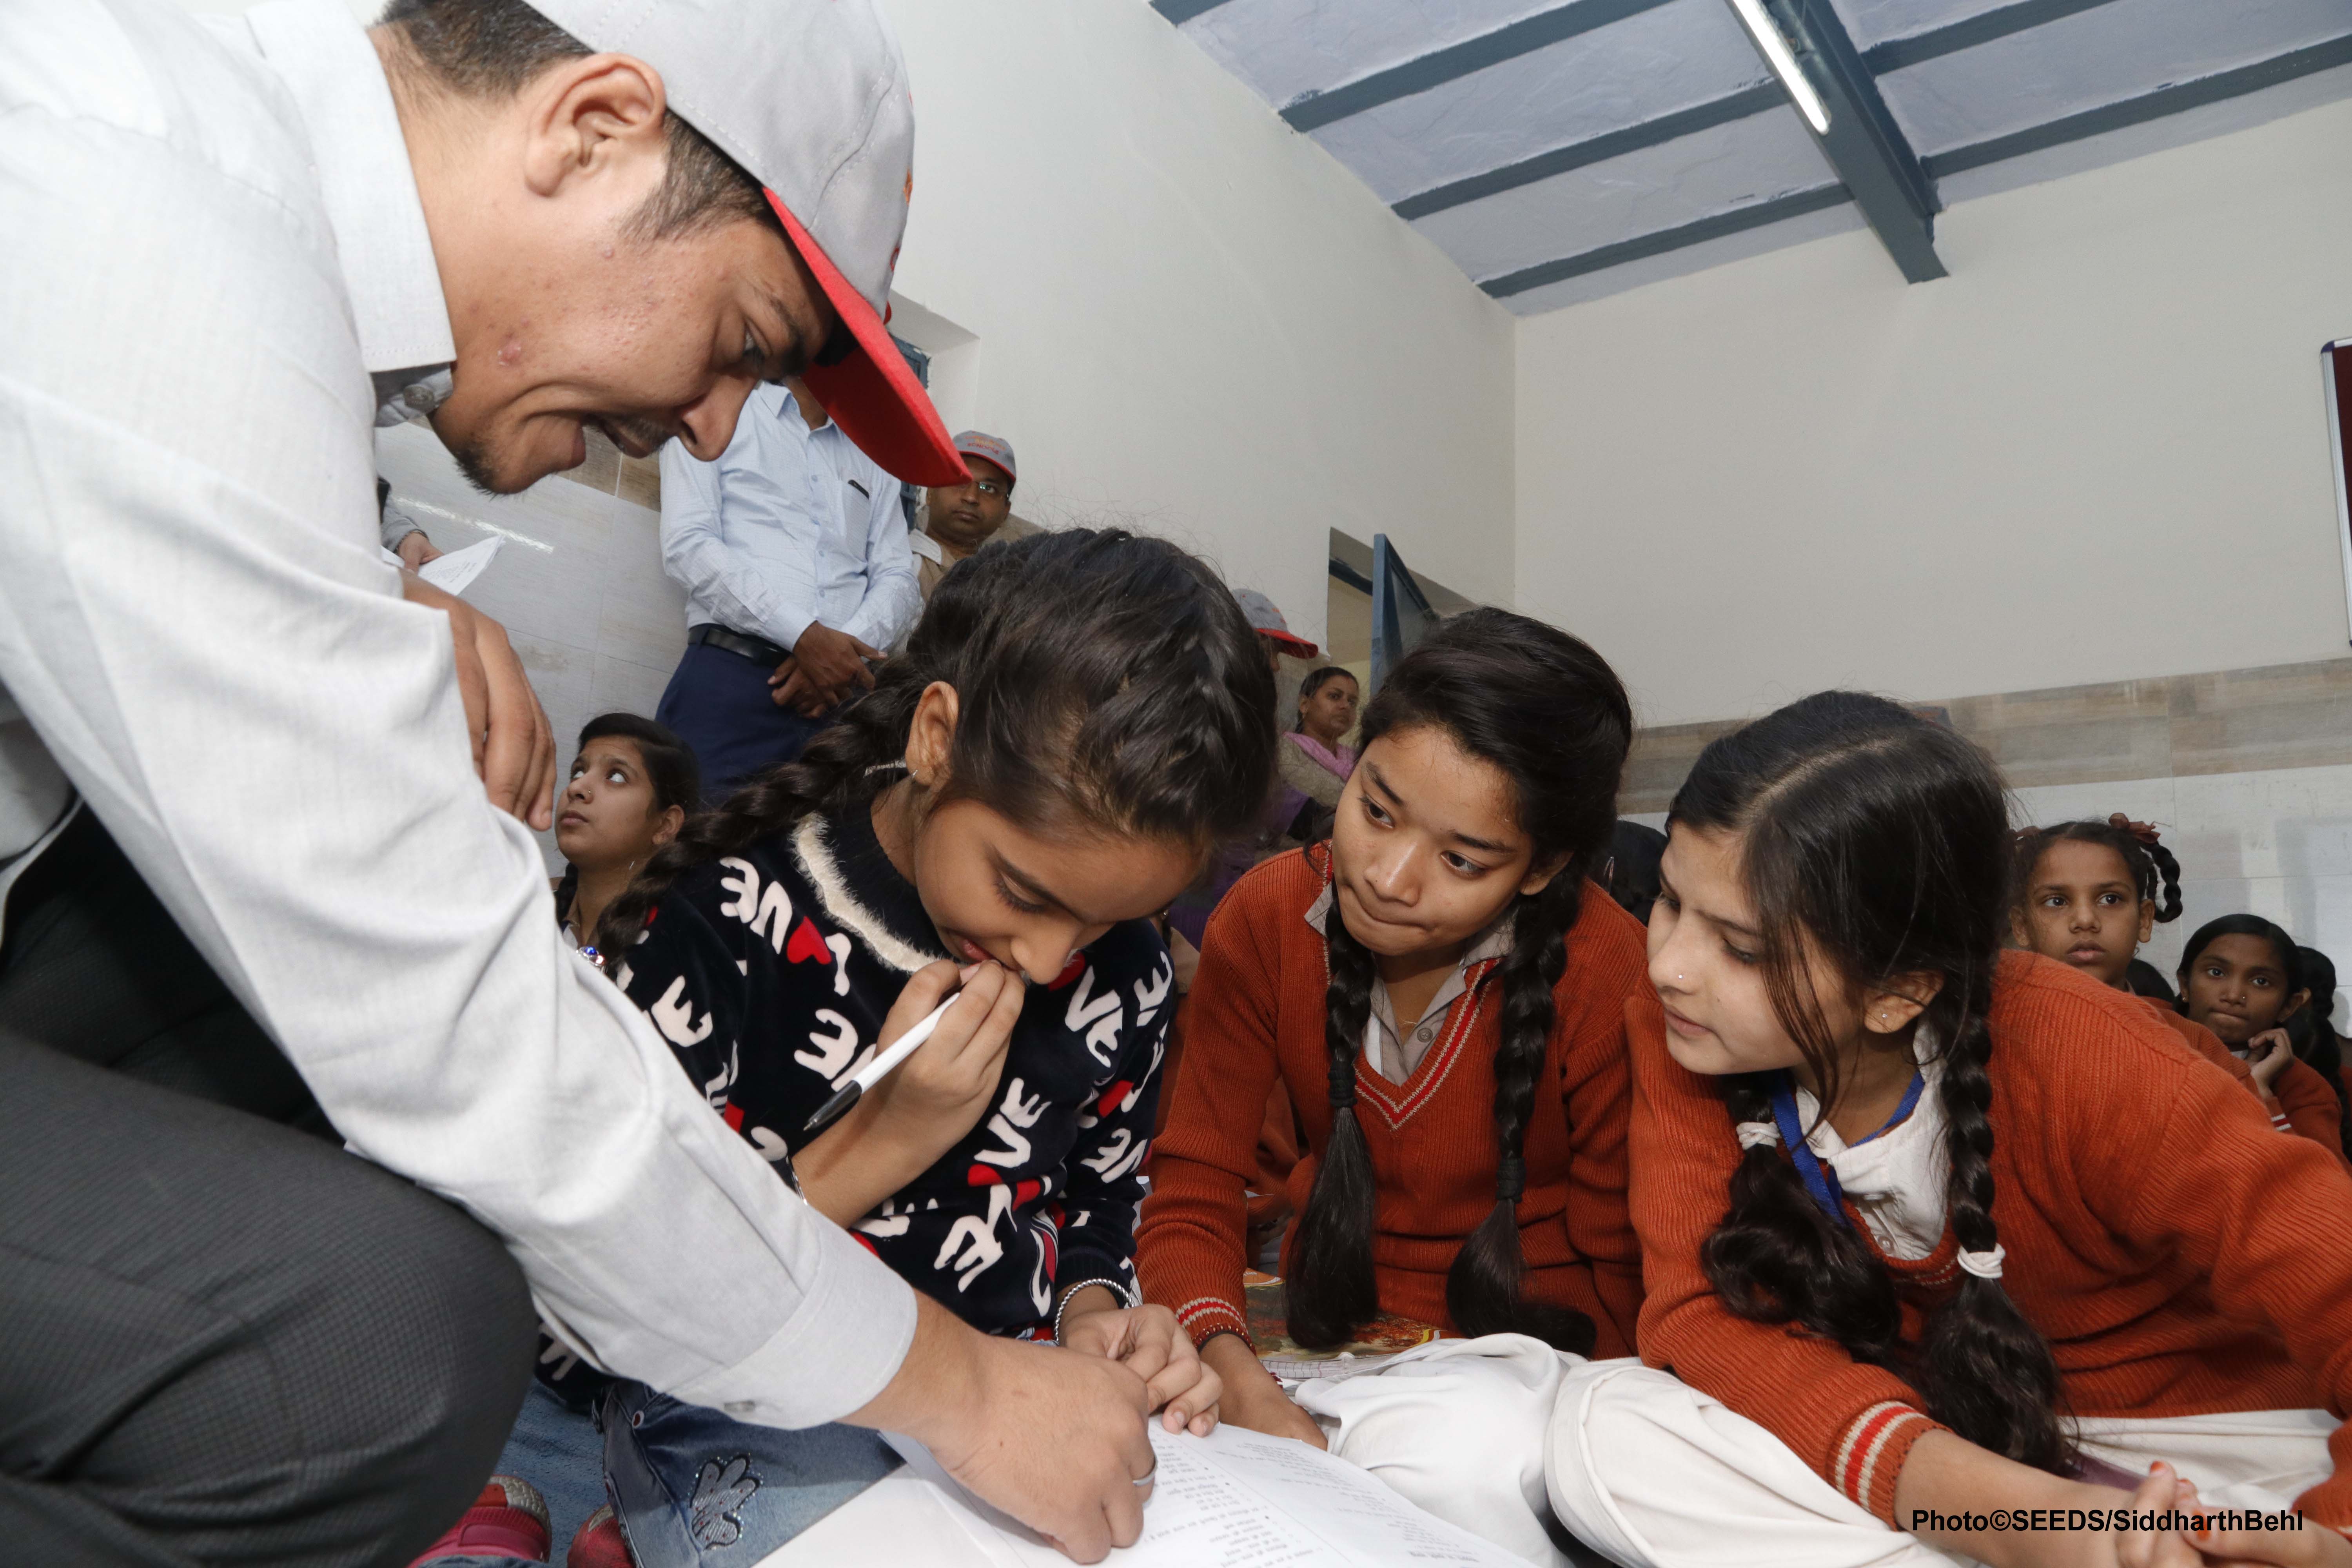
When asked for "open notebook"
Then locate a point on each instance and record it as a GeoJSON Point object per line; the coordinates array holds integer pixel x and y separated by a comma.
{"type": "Point", "coordinates": [1237, 1497]}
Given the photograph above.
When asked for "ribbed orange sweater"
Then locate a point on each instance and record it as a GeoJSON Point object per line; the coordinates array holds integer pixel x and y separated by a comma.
{"type": "Point", "coordinates": [2181, 1258]}
{"type": "Point", "coordinates": [1257, 1011]}
{"type": "Point", "coordinates": [2304, 1105]}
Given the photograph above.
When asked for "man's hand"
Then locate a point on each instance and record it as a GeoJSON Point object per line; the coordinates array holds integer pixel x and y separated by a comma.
{"type": "Point", "coordinates": [514, 746]}
{"type": "Point", "coordinates": [416, 549]}
{"type": "Point", "coordinates": [1055, 1438]}
{"type": "Point", "coordinates": [788, 688]}
{"type": "Point", "coordinates": [833, 663]}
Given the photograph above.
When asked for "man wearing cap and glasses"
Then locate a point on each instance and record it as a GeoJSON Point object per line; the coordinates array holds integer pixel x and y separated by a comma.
{"type": "Point", "coordinates": [960, 516]}
{"type": "Point", "coordinates": [250, 872]}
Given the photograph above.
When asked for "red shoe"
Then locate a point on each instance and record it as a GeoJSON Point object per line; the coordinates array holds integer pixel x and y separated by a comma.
{"type": "Point", "coordinates": [509, 1520]}
{"type": "Point", "coordinates": [600, 1544]}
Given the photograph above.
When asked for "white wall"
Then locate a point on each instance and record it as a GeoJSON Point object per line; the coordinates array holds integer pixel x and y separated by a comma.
{"type": "Point", "coordinates": [2095, 452]}
{"type": "Point", "coordinates": [1188, 317]}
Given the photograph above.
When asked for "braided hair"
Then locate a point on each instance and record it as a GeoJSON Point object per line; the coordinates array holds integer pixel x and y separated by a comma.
{"type": "Point", "coordinates": [1105, 683]}
{"type": "Point", "coordinates": [1878, 841]}
{"type": "Point", "coordinates": [2147, 862]}
{"type": "Point", "coordinates": [1550, 714]}
{"type": "Point", "coordinates": [2312, 1029]}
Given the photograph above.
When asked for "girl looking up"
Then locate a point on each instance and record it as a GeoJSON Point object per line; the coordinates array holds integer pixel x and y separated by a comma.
{"type": "Point", "coordinates": [1313, 760]}
{"type": "Point", "coordinates": [2086, 894]}
{"type": "Point", "coordinates": [1959, 1232]}
{"type": "Point", "coordinates": [1077, 717]}
{"type": "Point", "coordinates": [632, 784]}
{"type": "Point", "coordinates": [2241, 978]}
{"type": "Point", "coordinates": [1443, 997]}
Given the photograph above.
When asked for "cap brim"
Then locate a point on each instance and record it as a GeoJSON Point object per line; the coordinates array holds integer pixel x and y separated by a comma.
{"type": "Point", "coordinates": [1297, 646]}
{"type": "Point", "coordinates": [873, 395]}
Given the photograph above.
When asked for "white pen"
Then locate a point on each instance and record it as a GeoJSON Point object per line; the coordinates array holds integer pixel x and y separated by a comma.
{"type": "Point", "coordinates": [873, 1072]}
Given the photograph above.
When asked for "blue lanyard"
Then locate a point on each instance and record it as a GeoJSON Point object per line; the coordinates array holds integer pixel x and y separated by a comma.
{"type": "Point", "coordinates": [1820, 1180]}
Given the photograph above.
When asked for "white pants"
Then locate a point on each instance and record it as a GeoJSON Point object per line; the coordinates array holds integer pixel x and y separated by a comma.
{"type": "Point", "coordinates": [1658, 1475]}
{"type": "Point", "coordinates": [1458, 1426]}
{"type": "Point", "coordinates": [1512, 1440]}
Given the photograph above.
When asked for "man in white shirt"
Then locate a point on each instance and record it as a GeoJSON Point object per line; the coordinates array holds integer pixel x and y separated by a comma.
{"type": "Point", "coordinates": [239, 804]}
{"type": "Point", "coordinates": [792, 548]}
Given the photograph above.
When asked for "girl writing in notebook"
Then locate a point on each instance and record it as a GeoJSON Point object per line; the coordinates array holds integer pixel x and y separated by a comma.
{"type": "Point", "coordinates": [1076, 719]}
{"type": "Point", "coordinates": [1933, 1230]}
{"type": "Point", "coordinates": [1443, 997]}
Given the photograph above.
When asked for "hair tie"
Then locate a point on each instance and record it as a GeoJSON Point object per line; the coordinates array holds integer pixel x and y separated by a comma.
{"type": "Point", "coordinates": [1510, 1179]}
{"type": "Point", "coordinates": [1758, 1135]}
{"type": "Point", "coordinates": [1983, 1265]}
{"type": "Point", "coordinates": [1343, 1088]}
{"type": "Point", "coordinates": [2143, 831]}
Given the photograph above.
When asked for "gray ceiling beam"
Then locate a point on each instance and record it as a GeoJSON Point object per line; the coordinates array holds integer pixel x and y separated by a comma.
{"type": "Point", "coordinates": [1310, 109]}
{"type": "Point", "coordinates": [1715, 225]}
{"type": "Point", "coordinates": [1653, 132]}
{"type": "Point", "coordinates": [1894, 54]}
{"type": "Point", "coordinates": [2148, 106]}
{"type": "Point", "coordinates": [1183, 11]}
{"type": "Point", "coordinates": [1863, 143]}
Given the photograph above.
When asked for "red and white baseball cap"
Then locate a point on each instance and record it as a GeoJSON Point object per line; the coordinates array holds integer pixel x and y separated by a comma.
{"type": "Point", "coordinates": [810, 96]}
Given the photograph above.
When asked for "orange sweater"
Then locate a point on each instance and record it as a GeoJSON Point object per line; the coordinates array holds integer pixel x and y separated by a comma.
{"type": "Point", "coordinates": [2180, 1255]}
{"type": "Point", "coordinates": [1257, 1016]}
{"type": "Point", "coordinates": [2304, 1106]}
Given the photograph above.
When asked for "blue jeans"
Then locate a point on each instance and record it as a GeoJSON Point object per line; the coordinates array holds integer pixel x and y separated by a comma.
{"type": "Point", "coordinates": [718, 704]}
{"type": "Point", "coordinates": [693, 1488]}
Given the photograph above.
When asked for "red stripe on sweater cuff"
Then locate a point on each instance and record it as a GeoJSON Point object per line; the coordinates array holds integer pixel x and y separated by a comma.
{"type": "Point", "coordinates": [1870, 1454]}
{"type": "Point", "coordinates": [1206, 1317]}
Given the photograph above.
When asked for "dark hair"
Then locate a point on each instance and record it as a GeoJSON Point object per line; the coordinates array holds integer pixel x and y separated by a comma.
{"type": "Point", "coordinates": [494, 48]}
{"type": "Point", "coordinates": [1631, 875]}
{"type": "Point", "coordinates": [2145, 979]}
{"type": "Point", "coordinates": [1314, 683]}
{"type": "Point", "coordinates": [1882, 839]}
{"type": "Point", "coordinates": [2144, 861]}
{"type": "Point", "coordinates": [1549, 713]}
{"type": "Point", "coordinates": [1104, 682]}
{"type": "Point", "coordinates": [2282, 947]}
{"type": "Point", "coordinates": [2313, 1030]}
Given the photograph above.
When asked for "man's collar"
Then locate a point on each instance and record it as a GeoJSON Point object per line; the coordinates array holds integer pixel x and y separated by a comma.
{"type": "Point", "coordinates": [331, 69]}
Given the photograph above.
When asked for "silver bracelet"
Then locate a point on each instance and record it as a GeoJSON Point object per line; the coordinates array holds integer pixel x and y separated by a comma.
{"type": "Point", "coordinates": [1127, 1299]}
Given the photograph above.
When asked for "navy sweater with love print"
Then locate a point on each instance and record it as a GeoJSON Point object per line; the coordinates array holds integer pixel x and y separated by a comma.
{"type": "Point", "coordinates": [770, 972]}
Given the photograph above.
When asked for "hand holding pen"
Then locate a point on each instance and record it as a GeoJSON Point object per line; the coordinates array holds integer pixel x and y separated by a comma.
{"type": "Point", "coordinates": [909, 1115]}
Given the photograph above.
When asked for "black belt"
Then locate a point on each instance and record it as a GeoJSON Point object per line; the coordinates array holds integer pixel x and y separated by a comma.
{"type": "Point", "coordinates": [719, 637]}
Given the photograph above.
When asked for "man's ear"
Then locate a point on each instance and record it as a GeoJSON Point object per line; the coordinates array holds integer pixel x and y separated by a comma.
{"type": "Point", "coordinates": [594, 115]}
{"type": "Point", "coordinates": [1894, 1004]}
{"type": "Point", "coordinates": [931, 738]}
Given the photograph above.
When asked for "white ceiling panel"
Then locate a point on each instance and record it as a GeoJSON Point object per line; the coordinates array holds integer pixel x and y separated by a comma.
{"type": "Point", "coordinates": [1285, 48]}
{"type": "Point", "coordinates": [2115, 51]}
{"type": "Point", "coordinates": [1647, 65]}
{"type": "Point", "coordinates": [1734, 165]}
{"type": "Point", "coordinates": [1871, 22]}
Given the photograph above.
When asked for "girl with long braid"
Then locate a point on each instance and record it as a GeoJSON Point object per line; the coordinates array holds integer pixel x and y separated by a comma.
{"type": "Point", "coordinates": [1077, 717]}
{"type": "Point", "coordinates": [1444, 997]}
{"type": "Point", "coordinates": [1937, 1235]}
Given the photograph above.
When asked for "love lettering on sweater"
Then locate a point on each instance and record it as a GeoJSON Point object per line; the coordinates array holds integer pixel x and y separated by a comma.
{"type": "Point", "coordinates": [770, 974]}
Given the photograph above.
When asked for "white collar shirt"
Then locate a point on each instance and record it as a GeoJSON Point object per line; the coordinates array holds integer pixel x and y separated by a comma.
{"type": "Point", "coordinates": [791, 526]}
{"type": "Point", "coordinates": [217, 262]}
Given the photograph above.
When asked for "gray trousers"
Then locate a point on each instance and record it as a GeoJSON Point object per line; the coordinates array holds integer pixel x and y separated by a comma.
{"type": "Point", "coordinates": [223, 1341]}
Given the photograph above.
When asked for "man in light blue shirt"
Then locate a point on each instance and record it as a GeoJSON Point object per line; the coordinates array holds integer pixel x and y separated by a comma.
{"type": "Point", "coordinates": [793, 551]}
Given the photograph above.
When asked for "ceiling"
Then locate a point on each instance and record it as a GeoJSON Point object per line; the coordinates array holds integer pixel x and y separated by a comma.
{"type": "Point", "coordinates": [1562, 151]}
